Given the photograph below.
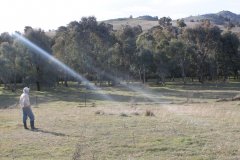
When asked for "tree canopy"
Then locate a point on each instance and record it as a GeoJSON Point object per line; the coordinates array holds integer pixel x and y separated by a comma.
{"type": "Point", "coordinates": [101, 54]}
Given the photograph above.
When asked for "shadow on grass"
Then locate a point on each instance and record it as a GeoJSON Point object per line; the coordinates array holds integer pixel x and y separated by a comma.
{"type": "Point", "coordinates": [50, 132]}
{"type": "Point", "coordinates": [78, 96]}
{"type": "Point", "coordinates": [156, 93]}
{"type": "Point", "coordinates": [234, 86]}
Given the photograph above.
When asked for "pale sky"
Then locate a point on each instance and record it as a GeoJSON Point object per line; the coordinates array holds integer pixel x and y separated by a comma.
{"type": "Point", "coordinates": [50, 14]}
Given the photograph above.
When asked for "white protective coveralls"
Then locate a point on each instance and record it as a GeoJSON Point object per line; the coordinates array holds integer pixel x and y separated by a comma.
{"type": "Point", "coordinates": [26, 108]}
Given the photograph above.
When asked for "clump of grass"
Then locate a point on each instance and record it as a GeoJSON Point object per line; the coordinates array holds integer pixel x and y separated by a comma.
{"type": "Point", "coordinates": [99, 112]}
{"type": "Point", "coordinates": [123, 115]}
{"type": "Point", "coordinates": [77, 153]}
{"type": "Point", "coordinates": [93, 105]}
{"type": "Point", "coordinates": [135, 113]}
{"type": "Point", "coordinates": [149, 113]}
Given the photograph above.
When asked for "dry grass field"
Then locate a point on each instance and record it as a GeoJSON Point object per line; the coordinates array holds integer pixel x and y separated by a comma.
{"type": "Point", "coordinates": [179, 122]}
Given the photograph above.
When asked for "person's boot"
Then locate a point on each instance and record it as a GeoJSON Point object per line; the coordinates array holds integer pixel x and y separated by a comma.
{"type": "Point", "coordinates": [32, 125]}
{"type": "Point", "coordinates": [25, 125]}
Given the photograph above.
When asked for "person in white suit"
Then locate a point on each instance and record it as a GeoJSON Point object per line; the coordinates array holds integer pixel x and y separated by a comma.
{"type": "Point", "coordinates": [26, 108]}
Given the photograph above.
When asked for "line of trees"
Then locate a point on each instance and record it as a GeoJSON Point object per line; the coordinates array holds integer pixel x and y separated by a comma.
{"type": "Point", "coordinates": [102, 54]}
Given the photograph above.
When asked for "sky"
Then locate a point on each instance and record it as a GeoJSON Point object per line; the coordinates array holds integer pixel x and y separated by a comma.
{"type": "Point", "coordinates": [50, 14]}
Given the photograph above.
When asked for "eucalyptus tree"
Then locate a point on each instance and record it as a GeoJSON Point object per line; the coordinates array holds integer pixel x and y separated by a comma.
{"type": "Point", "coordinates": [115, 61]}
{"type": "Point", "coordinates": [8, 60]}
{"type": "Point", "coordinates": [94, 42]}
{"type": "Point", "coordinates": [106, 44]}
{"type": "Point", "coordinates": [177, 51]}
{"type": "Point", "coordinates": [61, 51]}
{"type": "Point", "coordinates": [8, 64]}
{"type": "Point", "coordinates": [156, 40]}
{"type": "Point", "coordinates": [165, 21]}
{"type": "Point", "coordinates": [228, 56]}
{"type": "Point", "coordinates": [24, 67]}
{"type": "Point", "coordinates": [206, 38]}
{"type": "Point", "coordinates": [181, 23]}
{"type": "Point", "coordinates": [127, 37]}
{"type": "Point", "coordinates": [145, 63]}
{"type": "Point", "coordinates": [6, 37]}
{"type": "Point", "coordinates": [41, 66]}
{"type": "Point", "coordinates": [86, 46]}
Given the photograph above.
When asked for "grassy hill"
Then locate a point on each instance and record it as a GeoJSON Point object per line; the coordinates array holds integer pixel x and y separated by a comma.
{"type": "Point", "coordinates": [220, 18]}
{"type": "Point", "coordinates": [146, 22]}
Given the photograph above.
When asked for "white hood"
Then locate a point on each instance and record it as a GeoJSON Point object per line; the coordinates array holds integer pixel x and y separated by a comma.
{"type": "Point", "coordinates": [26, 90]}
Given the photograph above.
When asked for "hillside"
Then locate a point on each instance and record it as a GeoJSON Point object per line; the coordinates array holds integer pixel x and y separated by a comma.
{"type": "Point", "coordinates": [146, 22]}
{"type": "Point", "coordinates": [219, 18]}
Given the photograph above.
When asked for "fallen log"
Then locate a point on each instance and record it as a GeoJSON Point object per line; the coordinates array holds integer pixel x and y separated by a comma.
{"type": "Point", "coordinates": [236, 98]}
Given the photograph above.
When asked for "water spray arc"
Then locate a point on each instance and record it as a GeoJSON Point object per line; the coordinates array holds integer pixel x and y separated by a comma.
{"type": "Point", "coordinates": [145, 92]}
{"type": "Point", "coordinates": [58, 63]}
{"type": "Point", "coordinates": [152, 96]}
{"type": "Point", "coordinates": [142, 90]}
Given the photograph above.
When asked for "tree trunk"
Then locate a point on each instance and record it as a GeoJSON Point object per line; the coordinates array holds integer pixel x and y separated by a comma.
{"type": "Point", "coordinates": [15, 79]}
{"type": "Point", "coordinates": [65, 80]}
{"type": "Point", "coordinates": [140, 75]}
{"type": "Point", "coordinates": [57, 82]}
{"type": "Point", "coordinates": [79, 82]}
{"type": "Point", "coordinates": [144, 74]}
{"type": "Point", "coordinates": [38, 77]}
{"type": "Point", "coordinates": [200, 75]}
{"type": "Point", "coordinates": [162, 79]}
{"type": "Point", "coordinates": [183, 74]}
{"type": "Point", "coordinates": [38, 86]}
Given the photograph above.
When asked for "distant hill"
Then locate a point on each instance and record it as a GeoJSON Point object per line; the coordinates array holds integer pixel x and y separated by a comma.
{"type": "Point", "coordinates": [220, 18]}
{"type": "Point", "coordinates": [146, 22]}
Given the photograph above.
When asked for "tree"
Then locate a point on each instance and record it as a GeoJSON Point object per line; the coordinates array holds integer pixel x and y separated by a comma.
{"type": "Point", "coordinates": [156, 40]}
{"type": "Point", "coordinates": [228, 56]}
{"type": "Point", "coordinates": [8, 67]}
{"type": "Point", "coordinates": [165, 21]}
{"type": "Point", "coordinates": [127, 37]}
{"type": "Point", "coordinates": [86, 47]}
{"type": "Point", "coordinates": [38, 61]}
{"type": "Point", "coordinates": [206, 39]}
{"type": "Point", "coordinates": [60, 49]}
{"type": "Point", "coordinates": [177, 52]}
{"type": "Point", "coordinates": [24, 67]}
{"type": "Point", "coordinates": [8, 62]}
{"type": "Point", "coordinates": [181, 23]}
{"type": "Point", "coordinates": [144, 63]}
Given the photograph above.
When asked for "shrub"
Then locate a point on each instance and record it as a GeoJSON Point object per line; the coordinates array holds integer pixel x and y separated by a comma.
{"type": "Point", "coordinates": [99, 112]}
{"type": "Point", "coordinates": [123, 115]}
{"type": "Point", "coordinates": [136, 113]}
{"type": "Point", "coordinates": [149, 113]}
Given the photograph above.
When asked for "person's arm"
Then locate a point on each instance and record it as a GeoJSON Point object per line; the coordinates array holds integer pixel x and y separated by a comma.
{"type": "Point", "coordinates": [21, 103]}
